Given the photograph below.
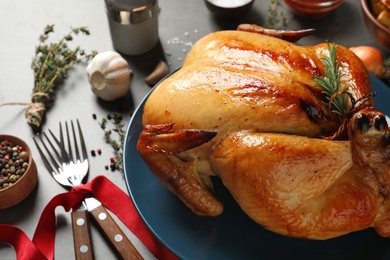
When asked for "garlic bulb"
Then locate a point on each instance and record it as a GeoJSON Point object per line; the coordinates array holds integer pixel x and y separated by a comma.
{"type": "Point", "coordinates": [109, 75]}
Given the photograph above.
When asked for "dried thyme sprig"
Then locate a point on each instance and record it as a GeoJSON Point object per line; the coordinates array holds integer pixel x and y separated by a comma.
{"type": "Point", "coordinates": [116, 144]}
{"type": "Point", "coordinates": [274, 15]}
{"type": "Point", "coordinates": [51, 65]}
{"type": "Point", "coordinates": [387, 62]}
{"type": "Point", "coordinates": [330, 83]}
{"type": "Point", "coordinates": [386, 75]}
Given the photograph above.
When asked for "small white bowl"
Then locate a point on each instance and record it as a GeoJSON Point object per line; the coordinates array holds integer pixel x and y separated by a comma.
{"type": "Point", "coordinates": [228, 8]}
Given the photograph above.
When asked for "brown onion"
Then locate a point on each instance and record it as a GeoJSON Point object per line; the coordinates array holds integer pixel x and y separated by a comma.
{"type": "Point", "coordinates": [372, 59]}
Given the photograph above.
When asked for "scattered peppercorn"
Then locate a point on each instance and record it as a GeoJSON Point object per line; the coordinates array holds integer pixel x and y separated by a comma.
{"type": "Point", "coordinates": [13, 163]}
{"type": "Point", "coordinates": [112, 166]}
{"type": "Point", "coordinates": [94, 116]}
{"type": "Point", "coordinates": [99, 151]}
{"type": "Point", "coordinates": [93, 153]}
{"type": "Point", "coordinates": [106, 166]}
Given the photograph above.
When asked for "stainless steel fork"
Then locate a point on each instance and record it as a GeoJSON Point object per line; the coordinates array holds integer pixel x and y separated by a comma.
{"type": "Point", "coordinates": [70, 169]}
{"type": "Point", "coordinates": [64, 167]}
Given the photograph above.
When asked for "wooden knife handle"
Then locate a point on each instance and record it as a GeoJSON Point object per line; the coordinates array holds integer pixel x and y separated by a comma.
{"type": "Point", "coordinates": [114, 234]}
{"type": "Point", "coordinates": [81, 235]}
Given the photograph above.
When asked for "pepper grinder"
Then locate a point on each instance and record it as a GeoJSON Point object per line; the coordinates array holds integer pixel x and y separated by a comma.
{"type": "Point", "coordinates": [133, 25]}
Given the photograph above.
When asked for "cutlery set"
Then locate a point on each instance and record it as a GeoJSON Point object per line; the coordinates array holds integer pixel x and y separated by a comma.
{"type": "Point", "coordinates": [69, 168]}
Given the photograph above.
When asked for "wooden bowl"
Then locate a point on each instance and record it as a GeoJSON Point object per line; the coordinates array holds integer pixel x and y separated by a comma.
{"type": "Point", "coordinates": [313, 9]}
{"type": "Point", "coordinates": [21, 188]}
{"type": "Point", "coordinates": [228, 8]}
{"type": "Point", "coordinates": [380, 32]}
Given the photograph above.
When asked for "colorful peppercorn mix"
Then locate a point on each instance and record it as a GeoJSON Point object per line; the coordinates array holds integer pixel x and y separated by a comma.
{"type": "Point", "coordinates": [13, 163]}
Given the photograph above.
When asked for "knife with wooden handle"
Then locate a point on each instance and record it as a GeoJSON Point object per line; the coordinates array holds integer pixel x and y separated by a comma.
{"type": "Point", "coordinates": [112, 231]}
{"type": "Point", "coordinates": [82, 239]}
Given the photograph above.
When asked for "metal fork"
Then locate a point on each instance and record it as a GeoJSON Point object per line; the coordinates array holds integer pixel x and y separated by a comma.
{"type": "Point", "coordinates": [67, 170]}
{"type": "Point", "coordinates": [70, 170]}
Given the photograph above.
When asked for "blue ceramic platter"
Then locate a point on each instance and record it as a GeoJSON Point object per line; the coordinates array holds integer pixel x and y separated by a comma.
{"type": "Point", "coordinates": [232, 235]}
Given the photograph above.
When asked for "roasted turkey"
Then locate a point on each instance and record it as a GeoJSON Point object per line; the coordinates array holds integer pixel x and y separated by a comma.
{"type": "Point", "coordinates": [245, 107]}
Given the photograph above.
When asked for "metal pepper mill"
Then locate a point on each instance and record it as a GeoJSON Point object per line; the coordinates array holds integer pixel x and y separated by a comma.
{"type": "Point", "coordinates": [133, 25]}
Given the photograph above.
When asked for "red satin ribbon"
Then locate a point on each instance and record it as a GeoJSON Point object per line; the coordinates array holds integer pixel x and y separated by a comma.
{"type": "Point", "coordinates": [41, 247]}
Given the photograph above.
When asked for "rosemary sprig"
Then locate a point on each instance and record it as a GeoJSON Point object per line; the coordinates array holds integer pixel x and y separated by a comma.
{"type": "Point", "coordinates": [116, 144]}
{"type": "Point", "coordinates": [330, 83]}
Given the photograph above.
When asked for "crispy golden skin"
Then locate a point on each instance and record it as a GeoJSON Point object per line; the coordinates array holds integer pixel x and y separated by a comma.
{"type": "Point", "coordinates": [295, 186]}
{"type": "Point", "coordinates": [259, 120]}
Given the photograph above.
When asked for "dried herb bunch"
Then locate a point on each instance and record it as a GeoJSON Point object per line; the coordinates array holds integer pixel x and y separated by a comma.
{"type": "Point", "coordinates": [387, 69]}
{"type": "Point", "coordinates": [276, 16]}
{"type": "Point", "coordinates": [116, 143]}
{"type": "Point", "coordinates": [51, 64]}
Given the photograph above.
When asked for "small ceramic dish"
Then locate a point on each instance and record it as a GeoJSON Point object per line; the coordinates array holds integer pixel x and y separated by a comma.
{"type": "Point", "coordinates": [15, 186]}
{"type": "Point", "coordinates": [228, 8]}
{"type": "Point", "coordinates": [380, 32]}
{"type": "Point", "coordinates": [313, 9]}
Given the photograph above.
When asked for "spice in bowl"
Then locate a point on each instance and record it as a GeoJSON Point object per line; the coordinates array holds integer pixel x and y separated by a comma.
{"type": "Point", "coordinates": [13, 163]}
{"type": "Point", "coordinates": [18, 172]}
